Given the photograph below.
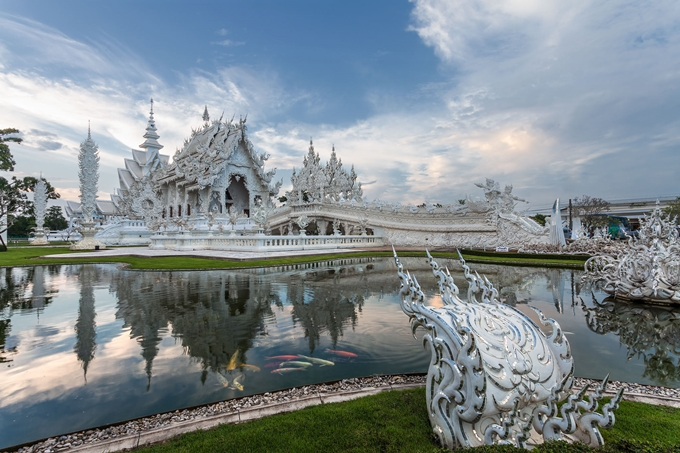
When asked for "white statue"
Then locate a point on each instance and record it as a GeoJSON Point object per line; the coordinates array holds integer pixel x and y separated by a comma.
{"type": "Point", "coordinates": [648, 268]}
{"type": "Point", "coordinates": [302, 223]}
{"type": "Point", "coordinates": [494, 376]}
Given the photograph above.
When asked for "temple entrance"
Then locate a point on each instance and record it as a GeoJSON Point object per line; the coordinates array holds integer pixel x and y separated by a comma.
{"type": "Point", "coordinates": [237, 195]}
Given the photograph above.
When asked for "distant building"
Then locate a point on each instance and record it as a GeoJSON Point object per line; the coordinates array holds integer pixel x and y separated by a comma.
{"type": "Point", "coordinates": [633, 209]}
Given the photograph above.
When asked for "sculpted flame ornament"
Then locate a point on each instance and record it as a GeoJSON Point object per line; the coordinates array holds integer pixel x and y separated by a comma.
{"type": "Point", "coordinates": [648, 269]}
{"type": "Point", "coordinates": [494, 376]}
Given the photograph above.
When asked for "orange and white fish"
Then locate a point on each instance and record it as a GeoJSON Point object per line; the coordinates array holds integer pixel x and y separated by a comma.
{"type": "Point", "coordinates": [342, 353]}
{"type": "Point", "coordinates": [282, 357]}
{"type": "Point", "coordinates": [250, 367]}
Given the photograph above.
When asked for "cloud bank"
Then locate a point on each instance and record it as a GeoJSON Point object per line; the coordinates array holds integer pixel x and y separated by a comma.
{"type": "Point", "coordinates": [557, 98]}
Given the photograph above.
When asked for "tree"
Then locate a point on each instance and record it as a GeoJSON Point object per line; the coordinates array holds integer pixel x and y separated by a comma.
{"type": "Point", "coordinates": [540, 219]}
{"type": "Point", "coordinates": [15, 203]}
{"type": "Point", "coordinates": [591, 210]}
{"type": "Point", "coordinates": [21, 226]}
{"type": "Point", "coordinates": [13, 199]}
{"type": "Point", "coordinates": [6, 159]}
{"type": "Point", "coordinates": [673, 210]}
{"type": "Point", "coordinates": [54, 219]}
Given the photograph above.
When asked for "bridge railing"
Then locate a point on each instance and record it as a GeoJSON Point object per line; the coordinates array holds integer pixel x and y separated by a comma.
{"type": "Point", "coordinates": [187, 240]}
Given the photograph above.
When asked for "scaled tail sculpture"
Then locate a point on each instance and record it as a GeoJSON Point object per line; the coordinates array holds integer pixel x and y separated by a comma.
{"type": "Point", "coordinates": [494, 376]}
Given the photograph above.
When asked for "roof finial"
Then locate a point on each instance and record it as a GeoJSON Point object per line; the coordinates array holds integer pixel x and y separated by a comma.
{"type": "Point", "coordinates": [151, 135]}
{"type": "Point", "coordinates": [206, 117]}
{"type": "Point", "coordinates": [88, 129]}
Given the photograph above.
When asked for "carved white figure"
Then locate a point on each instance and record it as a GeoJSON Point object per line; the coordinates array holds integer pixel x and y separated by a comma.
{"type": "Point", "coordinates": [648, 267]}
{"type": "Point", "coordinates": [494, 376]}
{"type": "Point", "coordinates": [233, 217]}
{"type": "Point", "coordinates": [363, 224]}
{"type": "Point", "coordinates": [261, 213]}
{"type": "Point", "coordinates": [302, 223]}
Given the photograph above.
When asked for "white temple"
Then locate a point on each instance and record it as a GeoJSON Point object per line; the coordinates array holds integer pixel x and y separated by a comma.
{"type": "Point", "coordinates": [215, 193]}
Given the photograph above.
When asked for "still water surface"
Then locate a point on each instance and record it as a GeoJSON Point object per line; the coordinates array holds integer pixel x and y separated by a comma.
{"type": "Point", "coordinates": [87, 345]}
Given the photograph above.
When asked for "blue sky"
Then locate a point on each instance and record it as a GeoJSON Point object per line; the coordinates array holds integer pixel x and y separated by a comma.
{"type": "Point", "coordinates": [425, 98]}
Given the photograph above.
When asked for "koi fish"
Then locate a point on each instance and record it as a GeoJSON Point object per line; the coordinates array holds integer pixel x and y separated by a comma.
{"type": "Point", "coordinates": [342, 353]}
{"type": "Point", "coordinates": [236, 384]}
{"type": "Point", "coordinates": [273, 364]}
{"type": "Point", "coordinates": [224, 381]}
{"type": "Point", "coordinates": [321, 362]}
{"type": "Point", "coordinates": [233, 361]}
{"type": "Point", "coordinates": [295, 363]}
{"type": "Point", "coordinates": [287, 370]}
{"type": "Point", "coordinates": [283, 357]}
{"type": "Point", "coordinates": [250, 367]}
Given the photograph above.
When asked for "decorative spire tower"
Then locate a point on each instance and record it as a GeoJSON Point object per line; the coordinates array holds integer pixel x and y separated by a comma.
{"type": "Point", "coordinates": [151, 143]}
{"type": "Point", "coordinates": [39, 205]}
{"type": "Point", "coordinates": [88, 161]}
{"type": "Point", "coordinates": [206, 116]}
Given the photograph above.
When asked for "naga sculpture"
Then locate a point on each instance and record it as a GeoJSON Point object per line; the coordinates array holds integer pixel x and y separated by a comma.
{"type": "Point", "coordinates": [648, 269]}
{"type": "Point", "coordinates": [494, 376]}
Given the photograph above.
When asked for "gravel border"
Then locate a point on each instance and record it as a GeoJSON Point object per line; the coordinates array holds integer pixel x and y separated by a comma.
{"type": "Point", "coordinates": [163, 426]}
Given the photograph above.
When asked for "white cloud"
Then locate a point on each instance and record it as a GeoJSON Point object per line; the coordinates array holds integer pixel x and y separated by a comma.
{"type": "Point", "coordinates": [558, 97]}
{"type": "Point", "coordinates": [228, 43]}
{"type": "Point", "coordinates": [59, 107]}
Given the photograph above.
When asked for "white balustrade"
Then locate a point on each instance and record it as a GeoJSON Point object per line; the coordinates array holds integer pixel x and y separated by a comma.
{"type": "Point", "coordinates": [186, 240]}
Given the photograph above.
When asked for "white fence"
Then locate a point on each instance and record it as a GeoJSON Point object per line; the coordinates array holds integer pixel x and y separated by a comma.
{"type": "Point", "coordinates": [186, 240]}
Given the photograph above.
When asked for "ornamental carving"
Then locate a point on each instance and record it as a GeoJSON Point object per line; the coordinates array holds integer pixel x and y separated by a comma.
{"type": "Point", "coordinates": [40, 203]}
{"type": "Point", "coordinates": [494, 376]}
{"type": "Point", "coordinates": [145, 203]}
{"type": "Point", "coordinates": [647, 268]}
{"type": "Point", "coordinates": [88, 174]}
{"type": "Point", "coordinates": [201, 158]}
{"type": "Point", "coordinates": [316, 183]}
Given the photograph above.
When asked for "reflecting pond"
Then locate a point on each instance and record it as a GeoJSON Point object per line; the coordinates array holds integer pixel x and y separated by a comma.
{"type": "Point", "coordinates": [87, 345]}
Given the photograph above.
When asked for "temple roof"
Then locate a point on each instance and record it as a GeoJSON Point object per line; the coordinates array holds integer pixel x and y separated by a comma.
{"type": "Point", "coordinates": [208, 149]}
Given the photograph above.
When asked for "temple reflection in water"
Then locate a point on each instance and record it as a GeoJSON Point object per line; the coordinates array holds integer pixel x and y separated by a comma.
{"type": "Point", "coordinates": [84, 344]}
{"type": "Point", "coordinates": [648, 332]}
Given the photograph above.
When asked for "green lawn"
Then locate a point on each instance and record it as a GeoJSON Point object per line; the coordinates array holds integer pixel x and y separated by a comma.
{"type": "Point", "coordinates": [30, 256]}
{"type": "Point", "coordinates": [397, 421]}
